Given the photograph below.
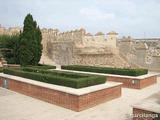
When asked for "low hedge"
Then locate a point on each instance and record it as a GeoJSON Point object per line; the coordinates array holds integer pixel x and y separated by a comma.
{"type": "Point", "coordinates": [117, 71]}
{"type": "Point", "coordinates": [40, 66]}
{"type": "Point", "coordinates": [58, 79]}
{"type": "Point", "coordinates": [58, 73]}
{"type": "Point", "coordinates": [1, 70]}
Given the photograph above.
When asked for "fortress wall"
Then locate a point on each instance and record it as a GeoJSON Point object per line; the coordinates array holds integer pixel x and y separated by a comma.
{"type": "Point", "coordinates": [103, 60]}
{"type": "Point", "coordinates": [9, 31]}
{"type": "Point", "coordinates": [2, 30]}
{"type": "Point", "coordinates": [71, 35]}
{"type": "Point", "coordinates": [14, 31]}
{"type": "Point", "coordinates": [62, 48]}
{"type": "Point", "coordinates": [125, 47]}
{"type": "Point", "coordinates": [48, 36]}
{"type": "Point", "coordinates": [112, 40]}
{"type": "Point", "coordinates": [141, 57]}
{"type": "Point", "coordinates": [143, 53]}
{"type": "Point", "coordinates": [97, 40]}
{"type": "Point", "coordinates": [155, 66]}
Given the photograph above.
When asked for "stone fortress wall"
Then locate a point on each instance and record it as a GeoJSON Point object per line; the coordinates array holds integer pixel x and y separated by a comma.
{"type": "Point", "coordinates": [143, 52]}
{"type": "Point", "coordinates": [80, 48]}
{"type": "Point", "coordinates": [9, 31]}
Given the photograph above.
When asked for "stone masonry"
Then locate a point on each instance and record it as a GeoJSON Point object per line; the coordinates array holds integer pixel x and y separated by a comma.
{"type": "Point", "coordinates": [80, 48]}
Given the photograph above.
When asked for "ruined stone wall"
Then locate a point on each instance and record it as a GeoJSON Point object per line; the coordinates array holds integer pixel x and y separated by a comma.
{"type": "Point", "coordinates": [77, 47]}
{"type": "Point", "coordinates": [94, 40]}
{"type": "Point", "coordinates": [63, 53]}
{"type": "Point", "coordinates": [100, 39]}
{"type": "Point", "coordinates": [102, 60]}
{"type": "Point", "coordinates": [9, 31]}
{"type": "Point", "coordinates": [143, 52]}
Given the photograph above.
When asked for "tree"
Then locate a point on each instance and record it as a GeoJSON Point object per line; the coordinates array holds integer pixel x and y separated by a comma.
{"type": "Point", "coordinates": [29, 46]}
{"type": "Point", "coordinates": [7, 45]}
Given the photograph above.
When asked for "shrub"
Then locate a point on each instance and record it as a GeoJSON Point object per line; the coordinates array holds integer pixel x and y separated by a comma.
{"type": "Point", "coordinates": [117, 71]}
{"type": "Point", "coordinates": [8, 47]}
{"type": "Point", "coordinates": [58, 78]}
{"type": "Point", "coordinates": [65, 74]}
{"type": "Point", "coordinates": [1, 70]}
{"type": "Point", "coordinates": [42, 67]}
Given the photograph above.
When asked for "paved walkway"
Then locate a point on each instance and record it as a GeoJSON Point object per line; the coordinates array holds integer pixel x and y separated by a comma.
{"type": "Point", "coordinates": [15, 106]}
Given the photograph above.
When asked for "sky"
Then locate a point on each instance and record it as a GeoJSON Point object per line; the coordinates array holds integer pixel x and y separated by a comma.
{"type": "Point", "coordinates": [135, 18]}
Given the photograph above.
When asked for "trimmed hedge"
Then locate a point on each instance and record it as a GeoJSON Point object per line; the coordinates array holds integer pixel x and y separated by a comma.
{"type": "Point", "coordinates": [63, 78]}
{"type": "Point", "coordinates": [58, 73]}
{"type": "Point", "coordinates": [1, 70]}
{"type": "Point", "coordinates": [45, 67]}
{"type": "Point", "coordinates": [117, 71]}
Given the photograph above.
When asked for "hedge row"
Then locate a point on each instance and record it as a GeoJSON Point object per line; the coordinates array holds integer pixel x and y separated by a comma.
{"type": "Point", "coordinates": [58, 73]}
{"type": "Point", "coordinates": [45, 67]}
{"type": "Point", "coordinates": [57, 79]}
{"type": "Point", "coordinates": [117, 71]}
{"type": "Point", "coordinates": [1, 70]}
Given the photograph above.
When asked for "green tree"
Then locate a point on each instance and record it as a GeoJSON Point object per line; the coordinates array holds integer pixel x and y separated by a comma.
{"type": "Point", "coordinates": [7, 45]}
{"type": "Point", "coordinates": [29, 46]}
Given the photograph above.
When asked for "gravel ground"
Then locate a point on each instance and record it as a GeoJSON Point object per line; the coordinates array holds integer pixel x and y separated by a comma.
{"type": "Point", "coordinates": [15, 106]}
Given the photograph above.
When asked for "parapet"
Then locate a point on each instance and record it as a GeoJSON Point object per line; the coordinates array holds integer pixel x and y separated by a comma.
{"type": "Point", "coordinates": [141, 46]}
{"type": "Point", "coordinates": [44, 30]}
{"type": "Point", "coordinates": [74, 33]}
{"type": "Point", "coordinates": [99, 33]}
{"type": "Point", "coordinates": [124, 39]}
{"type": "Point", "coordinates": [83, 30]}
{"type": "Point", "coordinates": [112, 33]}
{"type": "Point", "coordinates": [88, 34]}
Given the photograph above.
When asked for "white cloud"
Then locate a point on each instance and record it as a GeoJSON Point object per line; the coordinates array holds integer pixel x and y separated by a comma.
{"type": "Point", "coordinates": [96, 14]}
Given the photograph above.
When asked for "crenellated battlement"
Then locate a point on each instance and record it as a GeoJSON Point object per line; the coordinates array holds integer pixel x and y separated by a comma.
{"type": "Point", "coordinates": [79, 37]}
{"type": "Point", "coordinates": [10, 31]}
{"type": "Point", "coordinates": [127, 39]}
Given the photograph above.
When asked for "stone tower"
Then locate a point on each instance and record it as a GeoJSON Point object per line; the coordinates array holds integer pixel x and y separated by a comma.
{"type": "Point", "coordinates": [112, 39]}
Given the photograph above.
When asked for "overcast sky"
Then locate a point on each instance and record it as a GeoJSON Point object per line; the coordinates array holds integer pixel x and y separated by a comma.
{"type": "Point", "coordinates": [138, 18]}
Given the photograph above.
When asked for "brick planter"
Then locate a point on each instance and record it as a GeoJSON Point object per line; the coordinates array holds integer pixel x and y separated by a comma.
{"type": "Point", "coordinates": [145, 113]}
{"type": "Point", "coordinates": [137, 83]}
{"type": "Point", "coordinates": [74, 99]}
{"type": "Point", "coordinates": [148, 107]}
{"type": "Point", "coordinates": [11, 66]}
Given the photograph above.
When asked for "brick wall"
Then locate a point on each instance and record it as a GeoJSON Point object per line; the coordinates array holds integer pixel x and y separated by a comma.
{"type": "Point", "coordinates": [1, 82]}
{"type": "Point", "coordinates": [11, 66]}
{"type": "Point", "coordinates": [73, 102]}
{"type": "Point", "coordinates": [139, 111]}
{"type": "Point", "coordinates": [148, 81]}
{"type": "Point", "coordinates": [92, 99]}
{"type": "Point", "coordinates": [140, 83]}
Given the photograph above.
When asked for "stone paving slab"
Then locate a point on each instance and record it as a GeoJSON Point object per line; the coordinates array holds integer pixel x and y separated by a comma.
{"type": "Point", "coordinates": [152, 103]}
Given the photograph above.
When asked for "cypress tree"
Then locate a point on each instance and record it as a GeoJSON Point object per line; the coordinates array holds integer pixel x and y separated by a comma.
{"type": "Point", "coordinates": [29, 46]}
